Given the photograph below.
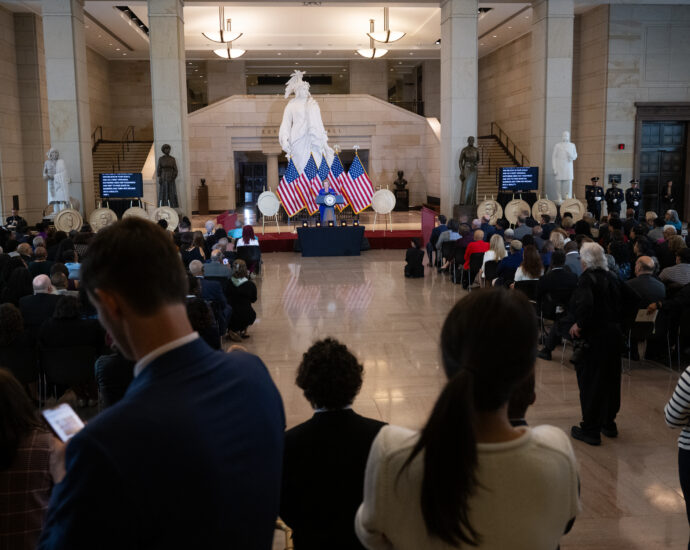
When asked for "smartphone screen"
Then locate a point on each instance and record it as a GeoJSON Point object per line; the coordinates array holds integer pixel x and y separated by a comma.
{"type": "Point", "coordinates": [225, 261]}
{"type": "Point", "coordinates": [64, 421]}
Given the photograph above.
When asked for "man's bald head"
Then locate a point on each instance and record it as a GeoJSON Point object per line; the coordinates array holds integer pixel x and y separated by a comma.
{"type": "Point", "coordinates": [644, 264]}
{"type": "Point", "coordinates": [41, 284]}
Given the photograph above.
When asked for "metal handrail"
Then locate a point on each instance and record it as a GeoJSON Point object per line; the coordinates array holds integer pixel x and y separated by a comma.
{"type": "Point", "coordinates": [509, 144]}
{"type": "Point", "coordinates": [98, 130]}
{"type": "Point", "coordinates": [126, 139]}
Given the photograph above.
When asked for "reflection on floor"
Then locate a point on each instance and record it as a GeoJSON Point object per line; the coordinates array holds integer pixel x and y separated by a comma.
{"type": "Point", "coordinates": [630, 491]}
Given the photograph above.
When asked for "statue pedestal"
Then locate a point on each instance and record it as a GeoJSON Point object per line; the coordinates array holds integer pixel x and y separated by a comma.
{"type": "Point", "coordinates": [202, 203]}
{"type": "Point", "coordinates": [402, 200]}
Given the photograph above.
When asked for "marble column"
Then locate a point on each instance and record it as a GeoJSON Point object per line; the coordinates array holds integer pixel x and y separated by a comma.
{"type": "Point", "coordinates": [552, 84]}
{"type": "Point", "coordinates": [31, 79]}
{"type": "Point", "coordinates": [169, 90]}
{"type": "Point", "coordinates": [68, 94]}
{"type": "Point", "coordinates": [459, 92]}
{"type": "Point", "coordinates": [272, 178]}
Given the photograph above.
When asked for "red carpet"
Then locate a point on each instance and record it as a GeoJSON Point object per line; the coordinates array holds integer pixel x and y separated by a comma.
{"type": "Point", "coordinates": [284, 242]}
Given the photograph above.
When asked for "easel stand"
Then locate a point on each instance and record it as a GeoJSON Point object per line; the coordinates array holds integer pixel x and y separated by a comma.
{"type": "Point", "coordinates": [386, 221]}
{"type": "Point", "coordinates": [263, 227]}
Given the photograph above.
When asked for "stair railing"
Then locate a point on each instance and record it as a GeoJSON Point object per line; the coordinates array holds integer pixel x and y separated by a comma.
{"type": "Point", "coordinates": [96, 136]}
{"type": "Point", "coordinates": [509, 145]}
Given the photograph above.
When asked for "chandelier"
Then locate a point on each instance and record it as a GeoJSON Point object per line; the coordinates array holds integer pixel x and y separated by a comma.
{"type": "Point", "coordinates": [371, 52]}
{"type": "Point", "coordinates": [224, 34]}
{"type": "Point", "coordinates": [386, 35]}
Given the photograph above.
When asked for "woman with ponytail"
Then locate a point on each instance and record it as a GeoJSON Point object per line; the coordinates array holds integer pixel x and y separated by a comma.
{"type": "Point", "coordinates": [470, 479]}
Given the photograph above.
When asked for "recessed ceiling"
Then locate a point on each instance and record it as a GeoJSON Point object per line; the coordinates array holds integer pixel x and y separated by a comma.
{"type": "Point", "coordinates": [275, 30]}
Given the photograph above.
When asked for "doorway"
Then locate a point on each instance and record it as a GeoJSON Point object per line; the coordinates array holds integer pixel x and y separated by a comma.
{"type": "Point", "coordinates": [662, 154]}
{"type": "Point", "coordinates": [250, 180]}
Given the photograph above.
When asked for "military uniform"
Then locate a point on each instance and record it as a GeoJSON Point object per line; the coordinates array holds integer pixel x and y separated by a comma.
{"type": "Point", "coordinates": [633, 198]}
{"type": "Point", "coordinates": [614, 199]}
{"type": "Point", "coordinates": [594, 195]}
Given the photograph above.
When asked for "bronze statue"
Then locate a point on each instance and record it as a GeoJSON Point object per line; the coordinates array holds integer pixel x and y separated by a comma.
{"type": "Point", "coordinates": [401, 182]}
{"type": "Point", "coordinates": [167, 173]}
{"type": "Point", "coordinates": [469, 159]}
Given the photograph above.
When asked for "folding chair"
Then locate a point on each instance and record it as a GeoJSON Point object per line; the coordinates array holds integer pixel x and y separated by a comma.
{"type": "Point", "coordinates": [476, 260]}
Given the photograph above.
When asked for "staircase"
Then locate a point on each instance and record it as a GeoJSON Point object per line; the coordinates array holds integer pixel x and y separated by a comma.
{"type": "Point", "coordinates": [496, 150]}
{"type": "Point", "coordinates": [118, 156]}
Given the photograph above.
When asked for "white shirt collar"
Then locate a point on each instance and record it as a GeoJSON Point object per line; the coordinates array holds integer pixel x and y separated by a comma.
{"type": "Point", "coordinates": [165, 348]}
{"type": "Point", "coordinates": [323, 410]}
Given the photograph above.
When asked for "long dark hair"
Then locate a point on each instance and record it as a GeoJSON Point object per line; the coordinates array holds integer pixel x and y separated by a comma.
{"type": "Point", "coordinates": [481, 377]}
{"type": "Point", "coordinates": [531, 262]}
{"type": "Point", "coordinates": [17, 417]}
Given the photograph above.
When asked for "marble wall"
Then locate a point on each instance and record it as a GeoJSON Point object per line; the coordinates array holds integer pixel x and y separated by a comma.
{"type": "Point", "coordinates": [100, 104]}
{"type": "Point", "coordinates": [11, 146]}
{"type": "Point", "coordinates": [505, 91]}
{"type": "Point", "coordinates": [397, 140]}
{"type": "Point", "coordinates": [648, 61]}
{"type": "Point", "coordinates": [431, 87]}
{"type": "Point", "coordinates": [590, 58]}
{"type": "Point", "coordinates": [369, 77]}
{"type": "Point", "coordinates": [225, 79]}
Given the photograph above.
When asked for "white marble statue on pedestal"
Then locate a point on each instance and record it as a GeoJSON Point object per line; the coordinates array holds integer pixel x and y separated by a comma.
{"type": "Point", "coordinates": [564, 153]}
{"type": "Point", "coordinates": [58, 180]}
{"type": "Point", "coordinates": [301, 131]}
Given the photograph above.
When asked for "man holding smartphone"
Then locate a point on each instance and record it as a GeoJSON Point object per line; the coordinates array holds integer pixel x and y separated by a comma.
{"type": "Point", "coordinates": [191, 456]}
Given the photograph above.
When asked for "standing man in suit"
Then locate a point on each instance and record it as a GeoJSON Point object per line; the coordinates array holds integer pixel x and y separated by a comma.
{"type": "Point", "coordinates": [594, 195]}
{"type": "Point", "coordinates": [39, 307]}
{"type": "Point", "coordinates": [633, 197]}
{"type": "Point", "coordinates": [191, 456]}
{"type": "Point", "coordinates": [614, 199]}
{"type": "Point", "coordinates": [326, 456]}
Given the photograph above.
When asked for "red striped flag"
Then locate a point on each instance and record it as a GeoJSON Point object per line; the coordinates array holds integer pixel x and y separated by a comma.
{"type": "Point", "coordinates": [287, 191]}
{"type": "Point", "coordinates": [325, 173]}
{"type": "Point", "coordinates": [306, 189]}
{"type": "Point", "coordinates": [358, 186]}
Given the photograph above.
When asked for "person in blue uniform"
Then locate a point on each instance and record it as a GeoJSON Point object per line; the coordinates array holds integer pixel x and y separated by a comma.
{"type": "Point", "coordinates": [633, 197]}
{"type": "Point", "coordinates": [594, 195]}
{"type": "Point", "coordinates": [327, 212]}
{"type": "Point", "coordinates": [614, 199]}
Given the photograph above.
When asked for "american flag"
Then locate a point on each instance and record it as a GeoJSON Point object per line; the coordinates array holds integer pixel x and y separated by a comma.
{"type": "Point", "coordinates": [312, 173]}
{"type": "Point", "coordinates": [358, 186]}
{"type": "Point", "coordinates": [305, 186]}
{"type": "Point", "coordinates": [337, 175]}
{"type": "Point", "coordinates": [287, 191]}
{"type": "Point", "coordinates": [325, 174]}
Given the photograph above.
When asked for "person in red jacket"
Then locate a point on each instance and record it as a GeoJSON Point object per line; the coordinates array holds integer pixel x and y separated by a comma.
{"type": "Point", "coordinates": [478, 245]}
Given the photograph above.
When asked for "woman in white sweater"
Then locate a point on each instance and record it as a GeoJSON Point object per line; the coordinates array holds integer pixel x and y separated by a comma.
{"type": "Point", "coordinates": [470, 478]}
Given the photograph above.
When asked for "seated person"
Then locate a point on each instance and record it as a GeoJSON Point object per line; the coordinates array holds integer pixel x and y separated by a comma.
{"type": "Point", "coordinates": [40, 265]}
{"type": "Point", "coordinates": [30, 466]}
{"type": "Point", "coordinates": [537, 234]}
{"type": "Point", "coordinates": [325, 457]}
{"type": "Point", "coordinates": [37, 309]}
{"type": "Point", "coordinates": [479, 245]}
{"type": "Point", "coordinates": [212, 292]}
{"type": "Point", "coordinates": [505, 271]}
{"type": "Point", "coordinates": [451, 235]}
{"type": "Point", "coordinates": [71, 261]}
{"type": "Point", "coordinates": [414, 258]}
{"type": "Point", "coordinates": [680, 273]}
{"type": "Point", "coordinates": [496, 252]}
{"type": "Point", "coordinates": [217, 267]}
{"type": "Point", "coordinates": [241, 294]}
{"type": "Point", "coordinates": [531, 268]}
{"type": "Point", "coordinates": [60, 282]}
{"type": "Point", "coordinates": [435, 233]}
{"type": "Point", "coordinates": [248, 238]}
{"type": "Point", "coordinates": [556, 287]}
{"type": "Point", "coordinates": [202, 320]}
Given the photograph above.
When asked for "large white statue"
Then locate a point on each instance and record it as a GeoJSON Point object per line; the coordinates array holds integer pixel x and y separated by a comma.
{"type": "Point", "coordinates": [564, 153]}
{"type": "Point", "coordinates": [301, 131]}
{"type": "Point", "coordinates": [56, 176]}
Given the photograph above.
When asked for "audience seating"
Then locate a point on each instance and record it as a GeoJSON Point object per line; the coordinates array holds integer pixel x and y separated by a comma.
{"type": "Point", "coordinates": [23, 363]}
{"type": "Point", "coordinates": [476, 260]}
{"type": "Point", "coordinates": [490, 269]}
{"type": "Point", "coordinates": [251, 256]}
{"type": "Point", "coordinates": [281, 526]}
{"type": "Point", "coordinates": [68, 366]}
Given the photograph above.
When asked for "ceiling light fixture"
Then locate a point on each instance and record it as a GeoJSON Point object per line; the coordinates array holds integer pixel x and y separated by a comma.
{"type": "Point", "coordinates": [229, 52]}
{"type": "Point", "coordinates": [386, 36]}
{"type": "Point", "coordinates": [223, 35]}
{"type": "Point", "coordinates": [372, 52]}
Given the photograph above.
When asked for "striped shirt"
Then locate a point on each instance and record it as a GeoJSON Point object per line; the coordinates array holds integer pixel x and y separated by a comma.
{"type": "Point", "coordinates": [679, 273]}
{"type": "Point", "coordinates": [677, 410]}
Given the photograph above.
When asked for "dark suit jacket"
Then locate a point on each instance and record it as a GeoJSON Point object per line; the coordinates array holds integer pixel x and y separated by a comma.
{"type": "Point", "coordinates": [323, 478]}
{"type": "Point", "coordinates": [556, 288]}
{"type": "Point", "coordinates": [189, 458]}
{"type": "Point", "coordinates": [37, 309]}
{"type": "Point", "coordinates": [40, 268]}
{"type": "Point", "coordinates": [648, 288]}
{"type": "Point", "coordinates": [665, 256]}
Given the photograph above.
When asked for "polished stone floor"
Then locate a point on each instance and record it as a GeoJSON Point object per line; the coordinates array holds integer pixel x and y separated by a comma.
{"type": "Point", "coordinates": [630, 492]}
